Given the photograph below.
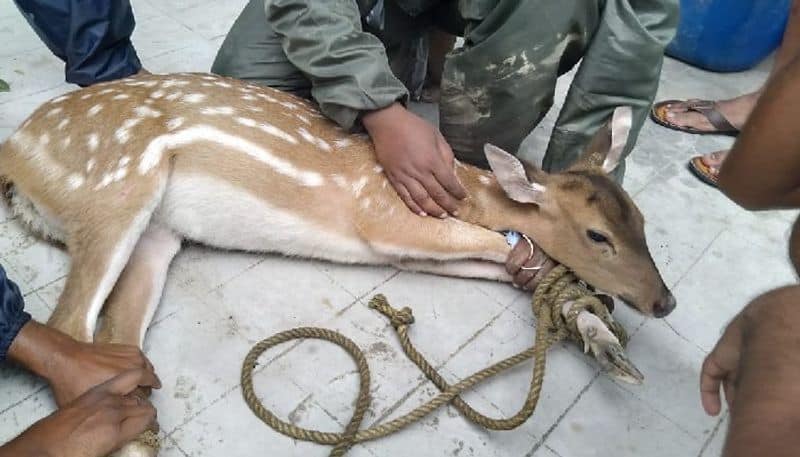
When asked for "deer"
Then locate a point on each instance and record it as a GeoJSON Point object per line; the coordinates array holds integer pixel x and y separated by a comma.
{"type": "Point", "coordinates": [122, 172]}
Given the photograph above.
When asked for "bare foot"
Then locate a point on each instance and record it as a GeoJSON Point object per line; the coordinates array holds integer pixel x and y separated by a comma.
{"type": "Point", "coordinates": [735, 110]}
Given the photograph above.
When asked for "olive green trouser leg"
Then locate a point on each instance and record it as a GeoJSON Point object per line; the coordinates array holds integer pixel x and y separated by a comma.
{"type": "Point", "coordinates": [252, 51]}
{"type": "Point", "coordinates": [499, 86]}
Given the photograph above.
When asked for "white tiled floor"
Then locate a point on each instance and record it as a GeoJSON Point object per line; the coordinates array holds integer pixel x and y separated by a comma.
{"type": "Point", "coordinates": [217, 304]}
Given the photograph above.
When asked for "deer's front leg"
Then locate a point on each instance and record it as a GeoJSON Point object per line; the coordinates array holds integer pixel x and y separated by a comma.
{"type": "Point", "coordinates": [428, 238]}
{"type": "Point", "coordinates": [133, 302]}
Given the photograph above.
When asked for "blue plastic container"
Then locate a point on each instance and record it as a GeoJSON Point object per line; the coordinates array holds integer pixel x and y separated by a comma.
{"type": "Point", "coordinates": [728, 35]}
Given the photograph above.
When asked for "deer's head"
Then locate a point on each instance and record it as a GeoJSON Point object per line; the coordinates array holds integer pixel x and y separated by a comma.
{"type": "Point", "coordinates": [587, 222]}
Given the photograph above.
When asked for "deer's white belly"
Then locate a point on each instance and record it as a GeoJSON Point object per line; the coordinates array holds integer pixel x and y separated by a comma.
{"type": "Point", "coordinates": [213, 212]}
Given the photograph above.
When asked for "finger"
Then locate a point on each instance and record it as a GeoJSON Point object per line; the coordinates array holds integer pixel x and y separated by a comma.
{"type": "Point", "coordinates": [127, 381]}
{"type": "Point", "coordinates": [149, 366]}
{"type": "Point", "coordinates": [548, 266]}
{"type": "Point", "coordinates": [710, 377]}
{"type": "Point", "coordinates": [729, 386]}
{"type": "Point", "coordinates": [525, 274]}
{"type": "Point", "coordinates": [404, 195]}
{"type": "Point", "coordinates": [421, 197]}
{"type": "Point", "coordinates": [517, 257]}
{"type": "Point", "coordinates": [438, 194]}
{"type": "Point", "coordinates": [446, 173]}
{"type": "Point", "coordinates": [136, 420]}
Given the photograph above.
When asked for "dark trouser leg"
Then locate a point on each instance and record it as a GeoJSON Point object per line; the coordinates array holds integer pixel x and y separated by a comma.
{"type": "Point", "coordinates": [252, 51]}
{"type": "Point", "coordinates": [500, 84]}
{"type": "Point", "coordinates": [764, 415]}
{"type": "Point", "coordinates": [92, 38]}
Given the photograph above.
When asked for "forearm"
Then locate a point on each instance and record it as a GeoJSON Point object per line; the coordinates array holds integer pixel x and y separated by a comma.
{"type": "Point", "coordinates": [20, 447]}
{"type": "Point", "coordinates": [621, 66]}
{"type": "Point", "coordinates": [36, 348]}
{"type": "Point", "coordinates": [347, 67]}
{"type": "Point", "coordinates": [764, 416]}
{"type": "Point", "coordinates": [762, 170]}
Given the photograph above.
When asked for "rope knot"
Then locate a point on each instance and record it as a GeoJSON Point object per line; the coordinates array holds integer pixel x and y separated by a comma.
{"type": "Point", "coordinates": [398, 317]}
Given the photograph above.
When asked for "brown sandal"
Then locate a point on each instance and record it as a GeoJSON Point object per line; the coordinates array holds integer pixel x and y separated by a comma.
{"type": "Point", "coordinates": [703, 172]}
{"type": "Point", "coordinates": [707, 108]}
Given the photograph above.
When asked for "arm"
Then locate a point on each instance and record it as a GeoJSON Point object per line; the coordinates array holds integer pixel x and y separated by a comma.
{"type": "Point", "coordinates": [347, 66]}
{"type": "Point", "coordinates": [351, 80]}
{"type": "Point", "coordinates": [620, 67]}
{"type": "Point", "coordinates": [92, 38]}
{"type": "Point", "coordinates": [757, 366]}
{"type": "Point", "coordinates": [762, 170]}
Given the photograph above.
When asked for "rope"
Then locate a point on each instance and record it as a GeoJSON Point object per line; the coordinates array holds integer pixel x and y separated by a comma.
{"type": "Point", "coordinates": [557, 288]}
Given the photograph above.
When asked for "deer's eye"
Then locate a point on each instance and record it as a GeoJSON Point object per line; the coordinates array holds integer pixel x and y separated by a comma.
{"type": "Point", "coordinates": [596, 237]}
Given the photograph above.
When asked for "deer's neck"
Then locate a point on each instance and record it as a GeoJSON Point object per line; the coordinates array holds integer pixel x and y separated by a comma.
{"type": "Point", "coordinates": [488, 206]}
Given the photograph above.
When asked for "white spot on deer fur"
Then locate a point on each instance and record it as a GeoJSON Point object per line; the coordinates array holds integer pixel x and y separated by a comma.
{"type": "Point", "coordinates": [267, 98]}
{"type": "Point", "coordinates": [222, 84]}
{"type": "Point", "coordinates": [209, 78]}
{"type": "Point", "coordinates": [303, 119]}
{"type": "Point", "coordinates": [75, 181]}
{"type": "Point", "coordinates": [339, 180]}
{"type": "Point", "coordinates": [255, 109]}
{"type": "Point", "coordinates": [67, 142]}
{"type": "Point", "coordinates": [125, 160]}
{"type": "Point", "coordinates": [93, 141]}
{"type": "Point", "coordinates": [60, 99]}
{"type": "Point", "coordinates": [106, 91]}
{"type": "Point", "coordinates": [119, 174]}
{"type": "Point", "coordinates": [146, 111]}
{"type": "Point", "coordinates": [86, 96]}
{"type": "Point", "coordinates": [247, 122]}
{"type": "Point", "coordinates": [275, 131]}
{"type": "Point", "coordinates": [377, 169]}
{"type": "Point", "coordinates": [44, 139]}
{"type": "Point", "coordinates": [122, 135]}
{"type": "Point", "coordinates": [120, 97]}
{"type": "Point", "coordinates": [226, 110]}
{"type": "Point", "coordinates": [157, 94]}
{"type": "Point", "coordinates": [54, 111]}
{"type": "Point", "coordinates": [206, 84]}
{"type": "Point", "coordinates": [248, 98]}
{"type": "Point", "coordinates": [155, 150]}
{"type": "Point", "coordinates": [90, 164]}
{"type": "Point", "coordinates": [63, 123]}
{"type": "Point", "coordinates": [95, 109]}
{"type": "Point", "coordinates": [358, 186]}
{"type": "Point", "coordinates": [365, 203]}
{"type": "Point", "coordinates": [289, 105]}
{"type": "Point", "coordinates": [319, 142]}
{"type": "Point", "coordinates": [174, 123]}
{"type": "Point", "coordinates": [173, 82]}
{"type": "Point", "coordinates": [142, 83]}
{"type": "Point", "coordinates": [174, 96]}
{"type": "Point", "coordinates": [342, 143]}
{"type": "Point", "coordinates": [107, 179]}
{"type": "Point", "coordinates": [194, 98]}
{"type": "Point", "coordinates": [484, 180]}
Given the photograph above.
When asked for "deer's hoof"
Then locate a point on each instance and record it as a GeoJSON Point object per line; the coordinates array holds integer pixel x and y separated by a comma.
{"type": "Point", "coordinates": [144, 446]}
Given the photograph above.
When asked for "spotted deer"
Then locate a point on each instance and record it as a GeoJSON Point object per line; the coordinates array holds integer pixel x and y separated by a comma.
{"type": "Point", "coordinates": [123, 171]}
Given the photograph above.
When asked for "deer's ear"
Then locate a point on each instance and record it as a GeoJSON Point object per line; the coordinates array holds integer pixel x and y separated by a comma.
{"type": "Point", "coordinates": [606, 147]}
{"type": "Point", "coordinates": [522, 184]}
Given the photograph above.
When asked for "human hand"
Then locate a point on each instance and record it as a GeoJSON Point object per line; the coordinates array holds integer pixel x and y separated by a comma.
{"type": "Point", "coordinates": [72, 367]}
{"type": "Point", "coordinates": [417, 161]}
{"type": "Point", "coordinates": [721, 368]}
{"type": "Point", "coordinates": [528, 264]}
{"type": "Point", "coordinates": [94, 425]}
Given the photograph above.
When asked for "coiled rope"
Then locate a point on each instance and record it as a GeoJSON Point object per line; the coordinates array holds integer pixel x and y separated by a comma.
{"type": "Point", "coordinates": [557, 288]}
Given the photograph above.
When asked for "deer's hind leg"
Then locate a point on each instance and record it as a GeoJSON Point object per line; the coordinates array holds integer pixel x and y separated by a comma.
{"type": "Point", "coordinates": [102, 234]}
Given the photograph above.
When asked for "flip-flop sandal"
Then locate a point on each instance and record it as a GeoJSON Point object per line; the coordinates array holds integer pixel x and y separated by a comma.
{"type": "Point", "coordinates": [702, 171]}
{"type": "Point", "coordinates": [707, 108]}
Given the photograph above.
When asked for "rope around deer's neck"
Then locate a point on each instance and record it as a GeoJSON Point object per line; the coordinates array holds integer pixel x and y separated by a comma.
{"type": "Point", "coordinates": [559, 287]}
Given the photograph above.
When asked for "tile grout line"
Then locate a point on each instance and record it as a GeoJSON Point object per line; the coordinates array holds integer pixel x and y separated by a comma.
{"type": "Point", "coordinates": [566, 411]}
{"type": "Point", "coordinates": [712, 435]}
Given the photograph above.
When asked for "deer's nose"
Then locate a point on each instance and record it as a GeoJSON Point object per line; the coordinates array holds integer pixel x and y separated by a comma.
{"type": "Point", "coordinates": [664, 305]}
